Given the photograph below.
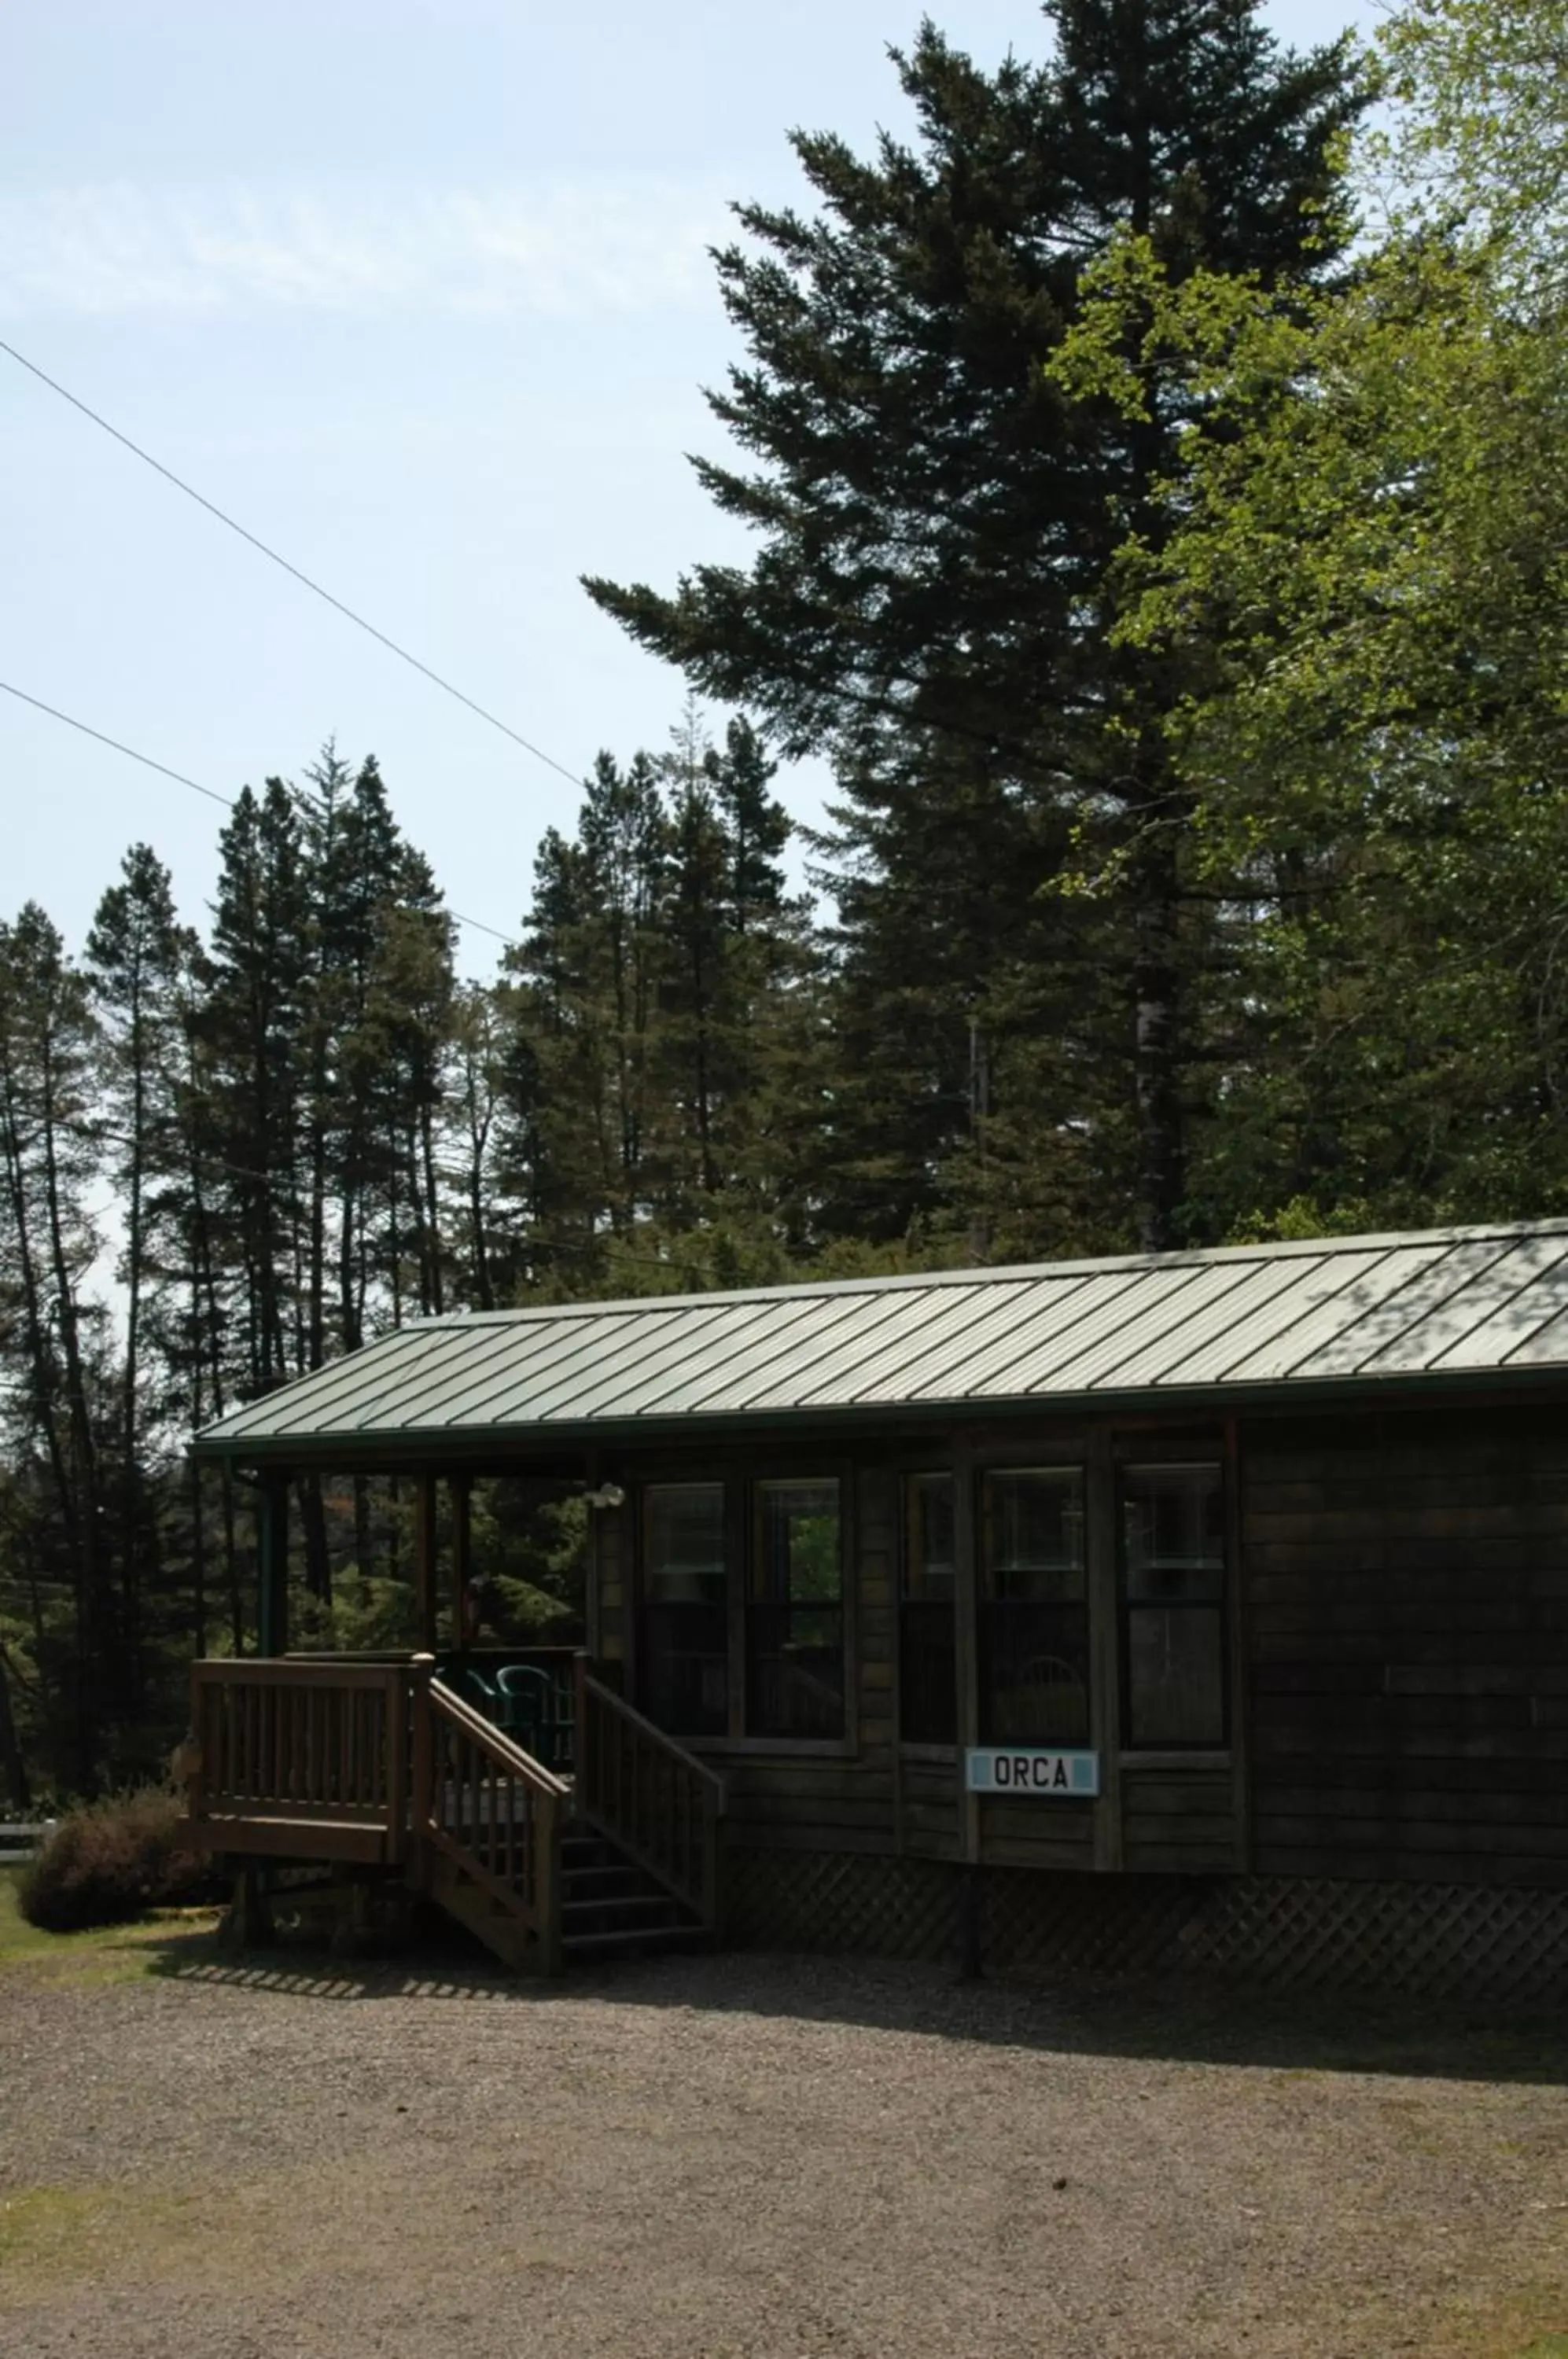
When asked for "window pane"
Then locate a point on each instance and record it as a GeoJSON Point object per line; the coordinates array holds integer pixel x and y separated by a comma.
{"type": "Point", "coordinates": [686, 1543]}
{"type": "Point", "coordinates": [1034, 1674]}
{"type": "Point", "coordinates": [794, 1670]}
{"type": "Point", "coordinates": [800, 1561]}
{"type": "Point", "coordinates": [1033, 1533]}
{"type": "Point", "coordinates": [1173, 1533]}
{"type": "Point", "coordinates": [1173, 1579]}
{"type": "Point", "coordinates": [794, 1620]}
{"type": "Point", "coordinates": [1176, 1675]}
{"type": "Point", "coordinates": [683, 1674]}
{"type": "Point", "coordinates": [928, 1668]}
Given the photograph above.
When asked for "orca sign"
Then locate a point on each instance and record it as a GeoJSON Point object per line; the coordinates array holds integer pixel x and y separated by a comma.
{"type": "Point", "coordinates": [1026, 1770]}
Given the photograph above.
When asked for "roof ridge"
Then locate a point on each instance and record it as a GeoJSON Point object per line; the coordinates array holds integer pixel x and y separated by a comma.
{"type": "Point", "coordinates": [1176, 1257]}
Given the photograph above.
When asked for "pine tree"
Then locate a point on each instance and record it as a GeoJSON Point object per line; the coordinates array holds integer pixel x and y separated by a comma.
{"type": "Point", "coordinates": [137, 954]}
{"type": "Point", "coordinates": [938, 516]}
{"type": "Point", "coordinates": [254, 1023]}
{"type": "Point", "coordinates": [49, 1248]}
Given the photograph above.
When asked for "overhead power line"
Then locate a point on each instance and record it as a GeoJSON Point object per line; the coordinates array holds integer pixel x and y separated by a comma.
{"type": "Point", "coordinates": [304, 579]}
{"type": "Point", "coordinates": [182, 780]}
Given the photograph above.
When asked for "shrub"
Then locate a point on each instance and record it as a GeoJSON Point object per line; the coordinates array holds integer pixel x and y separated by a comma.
{"type": "Point", "coordinates": [111, 1861]}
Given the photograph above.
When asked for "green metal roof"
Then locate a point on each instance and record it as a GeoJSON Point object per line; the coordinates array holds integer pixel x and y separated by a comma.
{"type": "Point", "coordinates": [1335, 1315]}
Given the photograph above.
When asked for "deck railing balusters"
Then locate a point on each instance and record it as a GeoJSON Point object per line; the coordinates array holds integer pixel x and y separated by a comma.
{"type": "Point", "coordinates": [648, 1795]}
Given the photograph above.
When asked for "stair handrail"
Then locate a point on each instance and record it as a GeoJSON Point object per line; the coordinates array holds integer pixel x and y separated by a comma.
{"type": "Point", "coordinates": [523, 1876]}
{"type": "Point", "coordinates": [683, 1856]}
{"type": "Point", "coordinates": [502, 1746]}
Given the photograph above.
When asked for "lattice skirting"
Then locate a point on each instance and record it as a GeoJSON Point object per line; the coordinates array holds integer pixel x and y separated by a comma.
{"type": "Point", "coordinates": [1426, 1939]}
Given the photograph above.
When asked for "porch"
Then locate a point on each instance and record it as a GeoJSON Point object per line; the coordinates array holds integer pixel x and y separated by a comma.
{"type": "Point", "coordinates": [383, 1767]}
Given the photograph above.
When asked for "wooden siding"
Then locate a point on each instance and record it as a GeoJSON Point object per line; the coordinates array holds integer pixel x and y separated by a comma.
{"type": "Point", "coordinates": [1402, 1689]}
{"type": "Point", "coordinates": [1178, 1820]}
{"type": "Point", "coordinates": [1407, 1604]}
{"type": "Point", "coordinates": [610, 1588]}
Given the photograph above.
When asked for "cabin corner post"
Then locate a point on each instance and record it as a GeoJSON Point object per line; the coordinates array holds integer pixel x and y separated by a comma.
{"type": "Point", "coordinates": [425, 1563]}
{"type": "Point", "coordinates": [464, 1616]}
{"type": "Point", "coordinates": [272, 1565]}
{"type": "Point", "coordinates": [967, 1634]}
{"type": "Point", "coordinates": [421, 1768]}
{"type": "Point", "coordinates": [1238, 1668]}
{"type": "Point", "coordinates": [1104, 1642]}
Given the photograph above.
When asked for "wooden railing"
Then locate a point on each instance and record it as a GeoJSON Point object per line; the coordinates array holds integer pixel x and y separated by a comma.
{"type": "Point", "coordinates": [648, 1796]}
{"type": "Point", "coordinates": [380, 1762]}
{"type": "Point", "coordinates": [320, 1745]}
{"type": "Point", "coordinates": [491, 1811]}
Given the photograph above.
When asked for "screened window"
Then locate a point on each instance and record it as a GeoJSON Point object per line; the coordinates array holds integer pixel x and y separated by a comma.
{"type": "Point", "coordinates": [794, 1614]}
{"type": "Point", "coordinates": [684, 1678]}
{"type": "Point", "coordinates": [928, 1664]}
{"type": "Point", "coordinates": [1173, 1583]}
{"type": "Point", "coordinates": [1033, 1607]}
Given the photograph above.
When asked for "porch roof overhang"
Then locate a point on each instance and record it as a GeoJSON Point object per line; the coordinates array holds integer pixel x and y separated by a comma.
{"type": "Point", "coordinates": [1447, 1313]}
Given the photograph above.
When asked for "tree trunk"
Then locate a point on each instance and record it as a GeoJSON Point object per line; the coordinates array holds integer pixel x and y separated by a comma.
{"type": "Point", "coordinates": [11, 1760]}
{"type": "Point", "coordinates": [1157, 1039]}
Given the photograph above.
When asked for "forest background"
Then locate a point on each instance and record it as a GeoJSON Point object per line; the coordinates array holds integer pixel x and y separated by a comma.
{"type": "Point", "coordinates": [1160, 507]}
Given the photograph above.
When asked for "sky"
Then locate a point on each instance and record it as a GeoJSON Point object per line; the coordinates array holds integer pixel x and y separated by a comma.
{"type": "Point", "coordinates": [418, 291]}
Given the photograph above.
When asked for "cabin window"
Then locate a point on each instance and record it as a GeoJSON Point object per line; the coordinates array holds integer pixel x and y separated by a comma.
{"type": "Point", "coordinates": [794, 1612]}
{"type": "Point", "coordinates": [928, 1664]}
{"type": "Point", "coordinates": [1173, 1613]}
{"type": "Point", "coordinates": [685, 1674]}
{"type": "Point", "coordinates": [1033, 1607]}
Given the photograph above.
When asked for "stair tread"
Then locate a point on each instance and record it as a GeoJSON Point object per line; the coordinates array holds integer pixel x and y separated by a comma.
{"type": "Point", "coordinates": [660, 1901]}
{"type": "Point", "coordinates": [623, 1940]}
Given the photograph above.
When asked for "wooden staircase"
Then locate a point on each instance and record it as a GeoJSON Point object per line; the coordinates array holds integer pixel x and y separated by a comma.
{"type": "Point", "coordinates": [385, 1766]}
{"type": "Point", "coordinates": [610, 1907]}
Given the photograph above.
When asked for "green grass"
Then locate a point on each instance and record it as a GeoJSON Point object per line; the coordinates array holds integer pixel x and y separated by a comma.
{"type": "Point", "coordinates": [110, 1953]}
{"type": "Point", "coordinates": [1551, 2346]}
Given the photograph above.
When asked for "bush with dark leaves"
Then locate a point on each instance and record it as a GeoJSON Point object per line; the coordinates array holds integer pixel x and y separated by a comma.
{"type": "Point", "coordinates": [112, 1860]}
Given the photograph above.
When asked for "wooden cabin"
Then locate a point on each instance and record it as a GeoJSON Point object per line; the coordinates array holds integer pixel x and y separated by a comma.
{"type": "Point", "coordinates": [1205, 1607]}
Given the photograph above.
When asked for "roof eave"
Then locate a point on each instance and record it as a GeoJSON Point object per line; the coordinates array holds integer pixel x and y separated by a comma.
{"type": "Point", "coordinates": [452, 1443]}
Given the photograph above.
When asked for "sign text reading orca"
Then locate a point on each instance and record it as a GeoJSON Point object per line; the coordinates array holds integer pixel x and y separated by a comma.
{"type": "Point", "coordinates": [1025, 1769]}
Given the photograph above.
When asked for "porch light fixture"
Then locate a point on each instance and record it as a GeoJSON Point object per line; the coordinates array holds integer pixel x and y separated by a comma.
{"type": "Point", "coordinates": [607, 1495]}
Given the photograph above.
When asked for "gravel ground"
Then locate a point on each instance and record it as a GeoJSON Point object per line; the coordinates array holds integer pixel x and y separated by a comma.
{"type": "Point", "coordinates": [743, 2158]}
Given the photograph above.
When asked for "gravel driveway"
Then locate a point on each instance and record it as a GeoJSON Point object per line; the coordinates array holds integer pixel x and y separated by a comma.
{"type": "Point", "coordinates": [744, 2157]}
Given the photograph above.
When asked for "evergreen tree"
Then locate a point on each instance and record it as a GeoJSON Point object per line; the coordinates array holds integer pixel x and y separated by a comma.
{"type": "Point", "coordinates": [137, 954]}
{"type": "Point", "coordinates": [254, 1019]}
{"type": "Point", "coordinates": [54, 1406]}
{"type": "Point", "coordinates": [938, 516]}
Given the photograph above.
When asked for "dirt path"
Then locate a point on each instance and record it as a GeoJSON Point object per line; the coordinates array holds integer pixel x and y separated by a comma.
{"type": "Point", "coordinates": [756, 2159]}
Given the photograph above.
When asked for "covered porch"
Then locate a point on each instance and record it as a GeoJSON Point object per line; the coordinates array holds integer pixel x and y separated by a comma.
{"type": "Point", "coordinates": [510, 1784]}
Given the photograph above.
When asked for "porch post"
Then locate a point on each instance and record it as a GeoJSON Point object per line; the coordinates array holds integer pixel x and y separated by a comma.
{"type": "Point", "coordinates": [460, 1487]}
{"type": "Point", "coordinates": [272, 1565]}
{"type": "Point", "coordinates": [425, 1563]}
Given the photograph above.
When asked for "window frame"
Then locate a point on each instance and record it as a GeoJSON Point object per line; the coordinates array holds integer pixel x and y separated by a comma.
{"type": "Point", "coordinates": [758, 1485]}
{"type": "Point", "coordinates": [742, 1489]}
{"type": "Point", "coordinates": [1165, 1751]}
{"type": "Point", "coordinates": [644, 1602]}
{"type": "Point", "coordinates": [1078, 1464]}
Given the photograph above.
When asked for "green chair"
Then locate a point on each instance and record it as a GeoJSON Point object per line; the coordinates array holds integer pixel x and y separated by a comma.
{"type": "Point", "coordinates": [473, 1688]}
{"type": "Point", "coordinates": [533, 1712]}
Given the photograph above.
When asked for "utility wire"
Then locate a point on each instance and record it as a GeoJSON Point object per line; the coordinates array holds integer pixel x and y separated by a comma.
{"type": "Point", "coordinates": [144, 759]}
{"type": "Point", "coordinates": [214, 510]}
{"type": "Point", "coordinates": [182, 780]}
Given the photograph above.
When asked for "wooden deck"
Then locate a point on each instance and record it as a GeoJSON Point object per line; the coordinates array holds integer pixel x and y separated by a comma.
{"type": "Point", "coordinates": [379, 1763]}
